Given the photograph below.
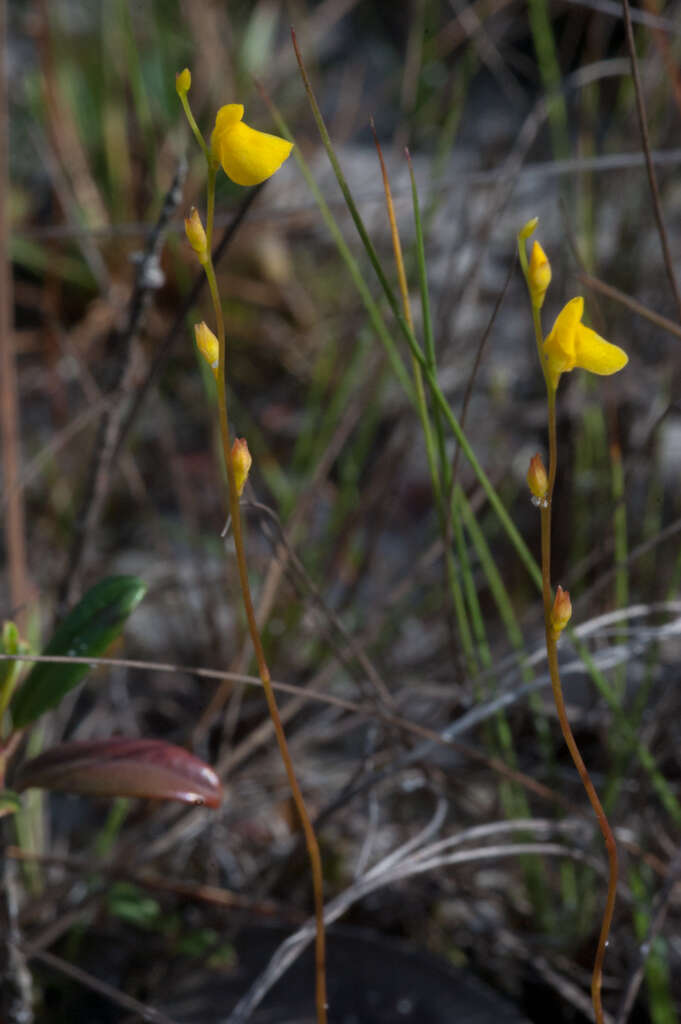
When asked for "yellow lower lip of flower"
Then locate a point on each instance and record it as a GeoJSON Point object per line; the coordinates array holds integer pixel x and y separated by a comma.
{"type": "Point", "coordinates": [247, 156]}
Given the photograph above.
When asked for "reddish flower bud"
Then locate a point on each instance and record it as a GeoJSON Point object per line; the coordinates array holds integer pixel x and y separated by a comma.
{"type": "Point", "coordinates": [241, 463]}
{"type": "Point", "coordinates": [561, 613]}
{"type": "Point", "coordinates": [537, 480]}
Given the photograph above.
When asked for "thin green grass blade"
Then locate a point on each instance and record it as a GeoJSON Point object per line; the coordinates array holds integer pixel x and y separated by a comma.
{"type": "Point", "coordinates": [428, 338]}
{"type": "Point", "coordinates": [397, 364]}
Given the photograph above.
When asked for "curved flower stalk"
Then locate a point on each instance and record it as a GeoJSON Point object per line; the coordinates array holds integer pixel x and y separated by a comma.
{"type": "Point", "coordinates": [568, 346]}
{"type": "Point", "coordinates": [248, 157]}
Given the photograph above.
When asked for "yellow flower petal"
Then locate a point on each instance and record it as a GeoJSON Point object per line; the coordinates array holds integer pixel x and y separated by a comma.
{"type": "Point", "coordinates": [597, 355]}
{"type": "Point", "coordinates": [247, 156]}
{"type": "Point", "coordinates": [228, 116]}
{"type": "Point", "coordinates": [559, 346]}
{"type": "Point", "coordinates": [571, 344]}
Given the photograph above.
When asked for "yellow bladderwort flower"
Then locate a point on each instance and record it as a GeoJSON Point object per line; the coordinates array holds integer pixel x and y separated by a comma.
{"type": "Point", "coordinates": [570, 344]}
{"type": "Point", "coordinates": [208, 345]}
{"type": "Point", "coordinates": [241, 463]}
{"type": "Point", "coordinates": [247, 156]}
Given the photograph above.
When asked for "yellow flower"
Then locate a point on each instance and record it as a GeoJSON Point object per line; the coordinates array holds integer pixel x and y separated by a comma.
{"type": "Point", "coordinates": [241, 463]}
{"type": "Point", "coordinates": [208, 345]}
{"type": "Point", "coordinates": [571, 344]}
{"type": "Point", "coordinates": [247, 156]}
{"type": "Point", "coordinates": [538, 275]}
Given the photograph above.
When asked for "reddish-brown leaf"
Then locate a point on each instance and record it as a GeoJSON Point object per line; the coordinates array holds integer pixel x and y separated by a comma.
{"type": "Point", "coordinates": [123, 767]}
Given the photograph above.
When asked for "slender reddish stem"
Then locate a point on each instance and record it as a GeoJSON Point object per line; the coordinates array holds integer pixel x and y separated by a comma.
{"type": "Point", "coordinates": [263, 670]}
{"type": "Point", "coordinates": [552, 654]}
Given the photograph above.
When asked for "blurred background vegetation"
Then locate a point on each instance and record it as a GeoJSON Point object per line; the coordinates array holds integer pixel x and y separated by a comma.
{"type": "Point", "coordinates": [509, 110]}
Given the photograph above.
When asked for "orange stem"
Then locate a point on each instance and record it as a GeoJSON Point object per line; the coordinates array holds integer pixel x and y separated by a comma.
{"type": "Point", "coordinates": [552, 654]}
{"type": "Point", "coordinates": [263, 670]}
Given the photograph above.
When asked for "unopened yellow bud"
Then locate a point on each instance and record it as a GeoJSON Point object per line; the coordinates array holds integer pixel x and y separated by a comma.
{"type": "Point", "coordinates": [538, 275]}
{"type": "Point", "coordinates": [241, 463]}
{"type": "Point", "coordinates": [196, 234]}
{"type": "Point", "coordinates": [208, 345]}
{"type": "Point", "coordinates": [183, 82]}
{"type": "Point", "coordinates": [537, 479]}
{"type": "Point", "coordinates": [528, 229]}
{"type": "Point", "coordinates": [561, 613]}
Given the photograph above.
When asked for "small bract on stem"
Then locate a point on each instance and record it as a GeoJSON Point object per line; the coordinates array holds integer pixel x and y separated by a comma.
{"type": "Point", "coordinates": [248, 157]}
{"type": "Point", "coordinates": [568, 346]}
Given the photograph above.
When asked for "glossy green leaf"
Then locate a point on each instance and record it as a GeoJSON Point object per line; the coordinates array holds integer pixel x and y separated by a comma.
{"type": "Point", "coordinates": [123, 767]}
{"type": "Point", "coordinates": [86, 632]}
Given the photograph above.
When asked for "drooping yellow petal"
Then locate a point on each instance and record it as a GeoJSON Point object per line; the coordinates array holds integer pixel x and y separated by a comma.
{"type": "Point", "coordinates": [597, 355]}
{"type": "Point", "coordinates": [247, 156]}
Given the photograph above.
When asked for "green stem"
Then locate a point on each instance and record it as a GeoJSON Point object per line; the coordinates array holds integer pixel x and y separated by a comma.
{"type": "Point", "coordinates": [210, 215]}
{"type": "Point", "coordinates": [194, 127]}
{"type": "Point", "coordinates": [263, 670]}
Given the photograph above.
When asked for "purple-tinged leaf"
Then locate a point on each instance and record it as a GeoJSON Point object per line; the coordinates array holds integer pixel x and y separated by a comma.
{"type": "Point", "coordinates": [123, 767]}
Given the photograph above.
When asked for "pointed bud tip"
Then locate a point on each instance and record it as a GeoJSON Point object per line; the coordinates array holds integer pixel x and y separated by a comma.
{"type": "Point", "coordinates": [196, 234]}
{"type": "Point", "coordinates": [241, 463]}
{"type": "Point", "coordinates": [528, 229]}
{"type": "Point", "coordinates": [538, 275]}
{"type": "Point", "coordinates": [537, 479]}
{"type": "Point", "coordinates": [183, 82]}
{"type": "Point", "coordinates": [561, 613]}
{"type": "Point", "coordinates": [208, 345]}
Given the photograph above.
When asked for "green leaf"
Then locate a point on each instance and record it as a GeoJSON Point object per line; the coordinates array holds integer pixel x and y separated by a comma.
{"type": "Point", "coordinates": [86, 632]}
{"type": "Point", "coordinates": [121, 766]}
{"type": "Point", "coordinates": [132, 904]}
{"type": "Point", "coordinates": [10, 802]}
